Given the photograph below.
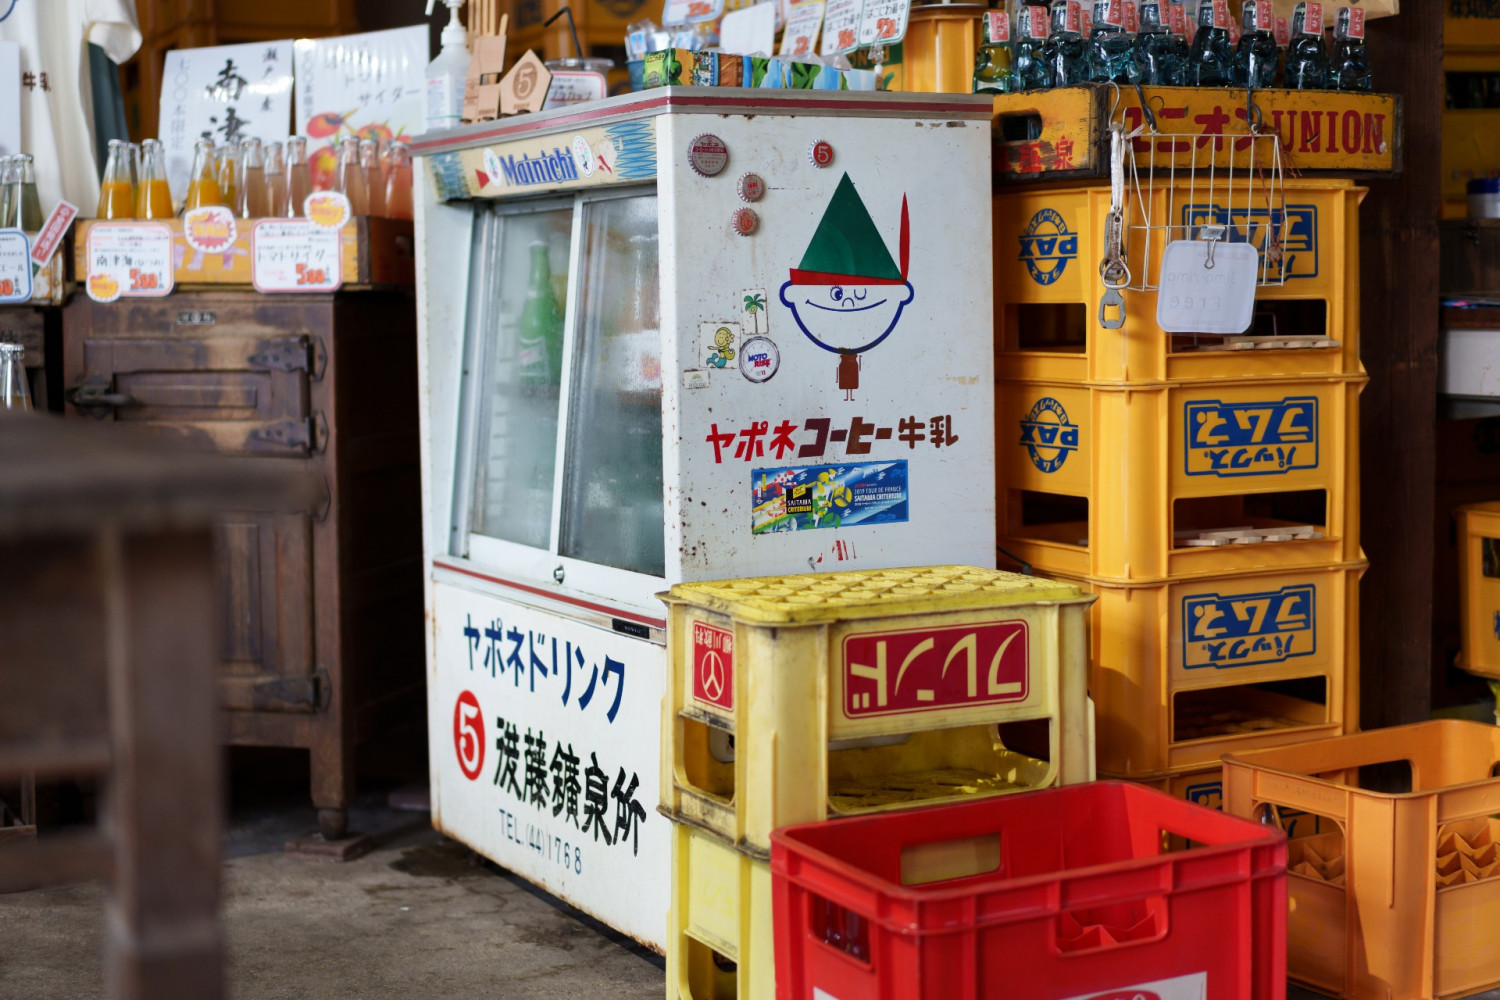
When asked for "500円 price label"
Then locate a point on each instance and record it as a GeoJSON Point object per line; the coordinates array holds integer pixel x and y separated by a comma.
{"type": "Point", "coordinates": [129, 259]}
{"type": "Point", "coordinates": [295, 255]}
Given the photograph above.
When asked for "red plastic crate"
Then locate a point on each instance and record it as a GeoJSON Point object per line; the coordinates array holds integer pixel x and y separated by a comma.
{"type": "Point", "coordinates": [1052, 895]}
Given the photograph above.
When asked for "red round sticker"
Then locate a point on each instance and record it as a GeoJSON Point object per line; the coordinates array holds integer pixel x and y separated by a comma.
{"type": "Point", "coordinates": [821, 153]}
{"type": "Point", "coordinates": [468, 735]}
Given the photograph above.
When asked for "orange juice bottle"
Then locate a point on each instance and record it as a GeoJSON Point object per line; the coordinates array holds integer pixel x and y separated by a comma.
{"type": "Point", "coordinates": [153, 199]}
{"type": "Point", "coordinates": [398, 184]}
{"type": "Point", "coordinates": [116, 200]}
{"type": "Point", "coordinates": [203, 182]}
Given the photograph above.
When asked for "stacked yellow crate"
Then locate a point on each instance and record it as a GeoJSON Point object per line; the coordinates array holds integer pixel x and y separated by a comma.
{"type": "Point", "coordinates": [800, 698]}
{"type": "Point", "coordinates": [1205, 489]}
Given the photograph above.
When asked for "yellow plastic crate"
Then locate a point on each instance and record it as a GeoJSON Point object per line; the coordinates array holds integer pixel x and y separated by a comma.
{"type": "Point", "coordinates": [797, 698]}
{"type": "Point", "coordinates": [1049, 243]}
{"type": "Point", "coordinates": [1398, 897]}
{"type": "Point", "coordinates": [719, 934]}
{"type": "Point", "coordinates": [1197, 479]}
{"type": "Point", "coordinates": [1479, 587]}
{"type": "Point", "coordinates": [1186, 671]}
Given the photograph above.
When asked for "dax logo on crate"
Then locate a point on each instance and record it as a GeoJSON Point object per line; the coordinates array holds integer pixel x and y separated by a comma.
{"type": "Point", "coordinates": [1247, 630]}
{"type": "Point", "coordinates": [1294, 229]}
{"type": "Point", "coordinates": [713, 666]}
{"type": "Point", "coordinates": [920, 670]}
{"type": "Point", "coordinates": [1250, 439]}
{"type": "Point", "coordinates": [1047, 435]}
{"type": "Point", "coordinates": [1047, 246]}
{"type": "Point", "coordinates": [1190, 987]}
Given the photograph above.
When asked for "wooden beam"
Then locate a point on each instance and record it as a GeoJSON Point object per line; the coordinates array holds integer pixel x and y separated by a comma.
{"type": "Point", "coordinates": [1399, 306]}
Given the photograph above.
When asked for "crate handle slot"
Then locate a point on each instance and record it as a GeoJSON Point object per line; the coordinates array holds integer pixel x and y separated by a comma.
{"type": "Point", "coordinates": [1019, 126]}
{"type": "Point", "coordinates": [1104, 928]}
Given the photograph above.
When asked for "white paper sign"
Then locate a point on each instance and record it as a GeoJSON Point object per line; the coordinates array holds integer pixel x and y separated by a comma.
{"type": "Point", "coordinates": [129, 259]}
{"type": "Point", "coordinates": [1195, 297]}
{"type": "Point", "coordinates": [802, 27]}
{"type": "Point", "coordinates": [883, 22]}
{"type": "Point", "coordinates": [223, 93]}
{"type": "Point", "coordinates": [1190, 987]}
{"type": "Point", "coordinates": [15, 266]}
{"type": "Point", "coordinates": [841, 27]}
{"type": "Point", "coordinates": [10, 98]}
{"type": "Point", "coordinates": [294, 255]}
{"type": "Point", "coordinates": [691, 11]}
{"type": "Point", "coordinates": [544, 738]}
{"type": "Point", "coordinates": [749, 32]}
{"type": "Point", "coordinates": [571, 86]}
{"type": "Point", "coordinates": [365, 86]}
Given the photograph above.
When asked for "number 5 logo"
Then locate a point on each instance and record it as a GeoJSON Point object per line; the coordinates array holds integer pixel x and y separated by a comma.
{"type": "Point", "coordinates": [468, 735]}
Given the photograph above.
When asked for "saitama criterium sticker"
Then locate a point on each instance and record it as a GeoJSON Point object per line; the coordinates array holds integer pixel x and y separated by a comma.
{"type": "Point", "coordinates": [828, 496]}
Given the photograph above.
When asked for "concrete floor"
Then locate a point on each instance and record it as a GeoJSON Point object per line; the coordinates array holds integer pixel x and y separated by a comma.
{"type": "Point", "coordinates": [417, 917]}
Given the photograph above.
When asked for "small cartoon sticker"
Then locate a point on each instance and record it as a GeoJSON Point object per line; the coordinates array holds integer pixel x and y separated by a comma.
{"type": "Point", "coordinates": [760, 359]}
{"type": "Point", "coordinates": [721, 341]}
{"type": "Point", "coordinates": [848, 294]}
{"type": "Point", "coordinates": [754, 302]}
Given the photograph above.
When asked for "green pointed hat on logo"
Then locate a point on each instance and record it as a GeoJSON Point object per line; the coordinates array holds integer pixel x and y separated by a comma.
{"type": "Point", "coordinates": [847, 248]}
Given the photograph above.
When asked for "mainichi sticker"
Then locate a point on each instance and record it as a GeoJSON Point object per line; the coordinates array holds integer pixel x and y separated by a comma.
{"type": "Point", "coordinates": [828, 496]}
{"type": "Point", "coordinates": [760, 358]}
{"type": "Point", "coordinates": [848, 293]}
{"type": "Point", "coordinates": [720, 343]}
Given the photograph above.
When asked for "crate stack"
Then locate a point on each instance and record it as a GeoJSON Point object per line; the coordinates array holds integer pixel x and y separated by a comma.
{"type": "Point", "coordinates": [1204, 488]}
{"type": "Point", "coordinates": [796, 699]}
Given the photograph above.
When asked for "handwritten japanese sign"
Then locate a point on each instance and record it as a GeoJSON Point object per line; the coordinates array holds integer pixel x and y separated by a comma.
{"type": "Point", "coordinates": [841, 27]}
{"type": "Point", "coordinates": [677, 12]}
{"type": "Point", "coordinates": [802, 27]}
{"type": "Point", "coordinates": [130, 259]}
{"type": "Point", "coordinates": [15, 266]}
{"type": "Point", "coordinates": [224, 93]}
{"type": "Point", "coordinates": [295, 255]}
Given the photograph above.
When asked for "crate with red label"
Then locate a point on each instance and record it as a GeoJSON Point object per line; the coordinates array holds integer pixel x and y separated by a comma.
{"type": "Point", "coordinates": [1050, 243]}
{"type": "Point", "coordinates": [797, 698]}
{"type": "Point", "coordinates": [1140, 485]}
{"type": "Point", "coordinates": [1063, 894]}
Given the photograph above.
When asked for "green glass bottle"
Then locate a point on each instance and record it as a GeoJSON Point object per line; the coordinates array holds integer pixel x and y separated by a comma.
{"type": "Point", "coordinates": [541, 328]}
{"type": "Point", "coordinates": [992, 63]}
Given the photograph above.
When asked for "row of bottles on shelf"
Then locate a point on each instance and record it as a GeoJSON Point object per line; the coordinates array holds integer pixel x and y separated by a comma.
{"type": "Point", "coordinates": [20, 206]}
{"type": "Point", "coordinates": [255, 180]}
{"type": "Point", "coordinates": [1158, 44]}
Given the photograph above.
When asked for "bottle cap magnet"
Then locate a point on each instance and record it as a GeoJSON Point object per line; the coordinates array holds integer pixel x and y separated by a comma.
{"type": "Point", "coordinates": [744, 221]}
{"type": "Point", "coordinates": [707, 155]}
{"type": "Point", "coordinates": [820, 153]}
{"type": "Point", "coordinates": [752, 187]}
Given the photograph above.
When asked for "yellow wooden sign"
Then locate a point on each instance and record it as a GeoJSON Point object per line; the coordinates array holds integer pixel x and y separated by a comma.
{"type": "Point", "coordinates": [1063, 133]}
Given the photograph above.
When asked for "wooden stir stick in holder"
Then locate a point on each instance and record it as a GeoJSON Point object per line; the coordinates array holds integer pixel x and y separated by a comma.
{"type": "Point", "coordinates": [487, 63]}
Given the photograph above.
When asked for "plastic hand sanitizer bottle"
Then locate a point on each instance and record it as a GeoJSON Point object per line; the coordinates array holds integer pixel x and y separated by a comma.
{"type": "Point", "coordinates": [446, 74]}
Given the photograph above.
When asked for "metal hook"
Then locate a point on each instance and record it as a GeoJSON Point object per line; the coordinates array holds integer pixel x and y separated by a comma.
{"type": "Point", "coordinates": [1146, 107]}
{"type": "Point", "coordinates": [1118, 100]}
{"type": "Point", "coordinates": [1254, 117]}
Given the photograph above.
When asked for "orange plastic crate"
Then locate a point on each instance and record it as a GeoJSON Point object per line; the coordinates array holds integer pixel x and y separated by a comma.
{"type": "Point", "coordinates": [1384, 907]}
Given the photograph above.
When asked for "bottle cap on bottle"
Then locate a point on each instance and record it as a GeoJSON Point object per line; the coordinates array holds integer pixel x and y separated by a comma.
{"type": "Point", "coordinates": [1110, 12]}
{"type": "Point", "coordinates": [1038, 21]}
{"type": "Point", "coordinates": [1312, 20]}
{"type": "Point", "coordinates": [996, 26]}
{"type": "Point", "coordinates": [1351, 22]}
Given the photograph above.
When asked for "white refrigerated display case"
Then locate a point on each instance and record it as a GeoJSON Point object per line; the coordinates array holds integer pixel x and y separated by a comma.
{"type": "Point", "coordinates": [681, 335]}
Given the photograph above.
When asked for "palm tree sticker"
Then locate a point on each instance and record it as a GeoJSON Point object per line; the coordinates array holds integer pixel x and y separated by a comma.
{"type": "Point", "coordinates": [755, 305]}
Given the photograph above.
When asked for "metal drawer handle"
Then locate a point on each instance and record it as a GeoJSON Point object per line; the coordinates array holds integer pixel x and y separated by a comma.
{"type": "Point", "coordinates": [92, 395]}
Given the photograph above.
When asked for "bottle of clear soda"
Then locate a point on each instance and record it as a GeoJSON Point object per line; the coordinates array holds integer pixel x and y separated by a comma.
{"type": "Point", "coordinates": [992, 61]}
{"type": "Point", "coordinates": [1307, 57]}
{"type": "Point", "coordinates": [1066, 55]}
{"type": "Point", "coordinates": [1351, 62]}
{"type": "Point", "coordinates": [1029, 40]}
{"type": "Point", "coordinates": [1211, 62]}
{"type": "Point", "coordinates": [1256, 58]}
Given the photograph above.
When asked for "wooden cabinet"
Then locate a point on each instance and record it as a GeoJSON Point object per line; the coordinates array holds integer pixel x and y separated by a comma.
{"type": "Point", "coordinates": [321, 639]}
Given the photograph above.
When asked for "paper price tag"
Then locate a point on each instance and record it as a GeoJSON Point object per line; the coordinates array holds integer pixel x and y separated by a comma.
{"type": "Point", "coordinates": [129, 259]}
{"type": "Point", "coordinates": [1195, 297]}
{"type": "Point", "coordinates": [15, 266]}
{"type": "Point", "coordinates": [883, 22]}
{"type": "Point", "coordinates": [802, 26]}
{"type": "Point", "coordinates": [691, 11]}
{"type": "Point", "coordinates": [295, 255]}
{"type": "Point", "coordinates": [841, 27]}
{"type": "Point", "coordinates": [575, 87]}
{"type": "Point", "coordinates": [52, 232]}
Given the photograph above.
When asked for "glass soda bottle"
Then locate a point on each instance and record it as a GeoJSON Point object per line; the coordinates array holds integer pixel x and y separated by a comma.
{"type": "Point", "coordinates": [992, 61]}
{"type": "Point", "coordinates": [250, 200]}
{"type": "Point", "coordinates": [153, 196]}
{"type": "Point", "coordinates": [116, 195]}
{"type": "Point", "coordinates": [1351, 62]}
{"type": "Point", "coordinates": [1257, 55]}
{"type": "Point", "coordinates": [13, 392]}
{"type": "Point", "coordinates": [1307, 57]}
{"type": "Point", "coordinates": [398, 182]}
{"type": "Point", "coordinates": [275, 180]}
{"type": "Point", "coordinates": [369, 166]}
{"type": "Point", "coordinates": [1109, 45]}
{"type": "Point", "coordinates": [26, 204]}
{"type": "Point", "coordinates": [7, 185]}
{"type": "Point", "coordinates": [298, 177]}
{"type": "Point", "coordinates": [1028, 63]}
{"type": "Point", "coordinates": [203, 181]}
{"type": "Point", "coordinates": [1178, 25]}
{"type": "Point", "coordinates": [541, 328]}
{"type": "Point", "coordinates": [228, 159]}
{"type": "Point", "coordinates": [349, 178]}
{"type": "Point", "coordinates": [1067, 59]}
{"type": "Point", "coordinates": [1211, 62]}
{"type": "Point", "coordinates": [1153, 52]}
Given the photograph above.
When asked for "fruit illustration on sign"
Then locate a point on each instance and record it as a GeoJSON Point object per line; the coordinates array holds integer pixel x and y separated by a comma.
{"type": "Point", "coordinates": [848, 293]}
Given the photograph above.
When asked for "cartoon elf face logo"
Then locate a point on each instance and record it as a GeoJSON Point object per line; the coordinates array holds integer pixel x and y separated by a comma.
{"type": "Point", "coordinates": [848, 294]}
